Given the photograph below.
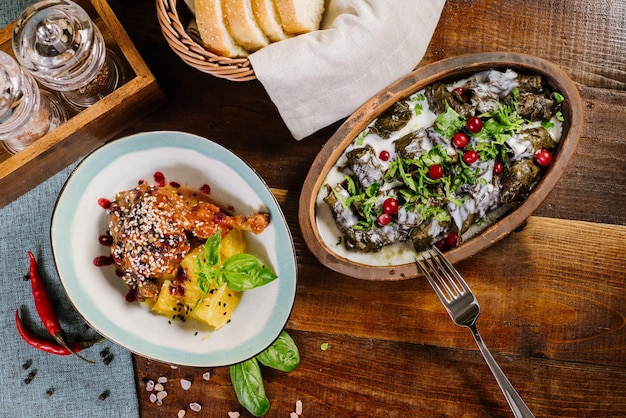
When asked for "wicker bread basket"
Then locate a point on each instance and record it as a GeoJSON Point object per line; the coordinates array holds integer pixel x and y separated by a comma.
{"type": "Point", "coordinates": [174, 16]}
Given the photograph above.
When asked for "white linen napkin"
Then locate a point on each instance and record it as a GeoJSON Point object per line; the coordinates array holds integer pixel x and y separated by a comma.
{"type": "Point", "coordinates": [318, 78]}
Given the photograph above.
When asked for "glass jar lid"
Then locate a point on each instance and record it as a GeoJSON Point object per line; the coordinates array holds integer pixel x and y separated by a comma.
{"type": "Point", "coordinates": [10, 85]}
{"type": "Point", "coordinates": [59, 44]}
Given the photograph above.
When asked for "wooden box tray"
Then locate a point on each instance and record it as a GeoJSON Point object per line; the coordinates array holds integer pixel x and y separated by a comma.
{"type": "Point", "coordinates": [91, 127]}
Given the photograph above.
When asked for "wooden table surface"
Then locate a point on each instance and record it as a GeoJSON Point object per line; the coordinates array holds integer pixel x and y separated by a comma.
{"type": "Point", "coordinates": [552, 294]}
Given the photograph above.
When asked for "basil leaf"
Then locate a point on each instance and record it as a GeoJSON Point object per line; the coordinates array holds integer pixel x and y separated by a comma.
{"type": "Point", "coordinates": [282, 355]}
{"type": "Point", "coordinates": [212, 249]}
{"type": "Point", "coordinates": [248, 384]}
{"type": "Point", "coordinates": [245, 272]}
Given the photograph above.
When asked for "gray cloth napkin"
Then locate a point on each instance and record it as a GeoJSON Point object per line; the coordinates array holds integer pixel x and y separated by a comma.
{"type": "Point", "coordinates": [317, 78]}
{"type": "Point", "coordinates": [76, 386]}
{"type": "Point", "coordinates": [11, 9]}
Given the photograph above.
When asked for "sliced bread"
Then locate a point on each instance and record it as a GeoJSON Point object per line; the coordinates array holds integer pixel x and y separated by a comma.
{"type": "Point", "coordinates": [213, 31]}
{"type": "Point", "coordinates": [300, 16]}
{"type": "Point", "coordinates": [268, 19]}
{"type": "Point", "coordinates": [242, 25]}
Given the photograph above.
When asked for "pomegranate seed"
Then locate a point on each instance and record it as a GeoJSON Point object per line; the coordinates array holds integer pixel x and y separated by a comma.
{"type": "Point", "coordinates": [159, 179]}
{"type": "Point", "coordinates": [206, 189]}
{"type": "Point", "coordinates": [104, 203]}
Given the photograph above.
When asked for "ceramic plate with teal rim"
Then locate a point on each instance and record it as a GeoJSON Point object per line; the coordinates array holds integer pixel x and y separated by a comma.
{"type": "Point", "coordinates": [99, 295]}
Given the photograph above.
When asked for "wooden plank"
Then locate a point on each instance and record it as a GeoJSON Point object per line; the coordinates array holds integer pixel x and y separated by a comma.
{"type": "Point", "coordinates": [599, 163]}
{"type": "Point", "coordinates": [549, 29]}
{"type": "Point", "coordinates": [402, 380]}
{"type": "Point", "coordinates": [527, 310]}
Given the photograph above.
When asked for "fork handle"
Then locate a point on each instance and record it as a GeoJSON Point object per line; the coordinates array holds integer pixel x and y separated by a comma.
{"type": "Point", "coordinates": [519, 408]}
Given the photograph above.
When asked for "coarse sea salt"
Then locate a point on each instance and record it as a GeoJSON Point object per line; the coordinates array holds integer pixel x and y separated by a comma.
{"type": "Point", "coordinates": [195, 406]}
{"type": "Point", "coordinates": [150, 385]}
{"type": "Point", "coordinates": [185, 384]}
{"type": "Point", "coordinates": [206, 376]}
{"type": "Point", "coordinates": [233, 414]}
{"type": "Point", "coordinates": [159, 387]}
{"type": "Point", "coordinates": [181, 413]}
{"type": "Point", "coordinates": [299, 407]}
{"type": "Point", "coordinates": [162, 379]}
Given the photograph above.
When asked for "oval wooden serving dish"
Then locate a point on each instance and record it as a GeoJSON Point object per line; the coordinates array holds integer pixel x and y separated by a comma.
{"type": "Point", "coordinates": [445, 71]}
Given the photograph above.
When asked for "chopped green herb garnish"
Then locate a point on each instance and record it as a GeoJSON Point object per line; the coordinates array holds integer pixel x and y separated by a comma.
{"type": "Point", "coordinates": [449, 122]}
{"type": "Point", "coordinates": [558, 97]}
{"type": "Point", "coordinates": [361, 137]}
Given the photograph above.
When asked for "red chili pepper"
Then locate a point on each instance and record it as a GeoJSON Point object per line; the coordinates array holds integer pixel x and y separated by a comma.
{"type": "Point", "coordinates": [45, 308]}
{"type": "Point", "coordinates": [50, 346]}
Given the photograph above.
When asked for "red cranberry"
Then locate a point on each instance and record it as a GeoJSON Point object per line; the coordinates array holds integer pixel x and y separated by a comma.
{"type": "Point", "coordinates": [384, 219]}
{"type": "Point", "coordinates": [453, 239]}
{"type": "Point", "coordinates": [390, 206]}
{"type": "Point", "coordinates": [543, 157]}
{"type": "Point", "coordinates": [474, 124]}
{"type": "Point", "coordinates": [460, 139]}
{"type": "Point", "coordinates": [384, 155]}
{"type": "Point", "coordinates": [470, 157]}
{"type": "Point", "coordinates": [435, 171]}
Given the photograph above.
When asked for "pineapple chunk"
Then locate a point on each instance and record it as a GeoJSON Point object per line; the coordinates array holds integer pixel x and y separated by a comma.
{"type": "Point", "coordinates": [217, 307]}
{"type": "Point", "coordinates": [233, 243]}
{"type": "Point", "coordinates": [180, 298]}
{"type": "Point", "coordinates": [176, 300]}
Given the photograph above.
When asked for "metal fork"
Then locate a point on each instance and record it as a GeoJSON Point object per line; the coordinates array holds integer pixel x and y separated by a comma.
{"type": "Point", "coordinates": [463, 308]}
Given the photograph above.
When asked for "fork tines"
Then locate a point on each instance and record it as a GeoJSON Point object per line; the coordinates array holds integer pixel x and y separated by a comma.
{"type": "Point", "coordinates": [442, 276]}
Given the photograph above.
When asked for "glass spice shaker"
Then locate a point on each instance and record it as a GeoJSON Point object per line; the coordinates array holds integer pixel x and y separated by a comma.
{"type": "Point", "coordinates": [57, 42]}
{"type": "Point", "coordinates": [26, 112]}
